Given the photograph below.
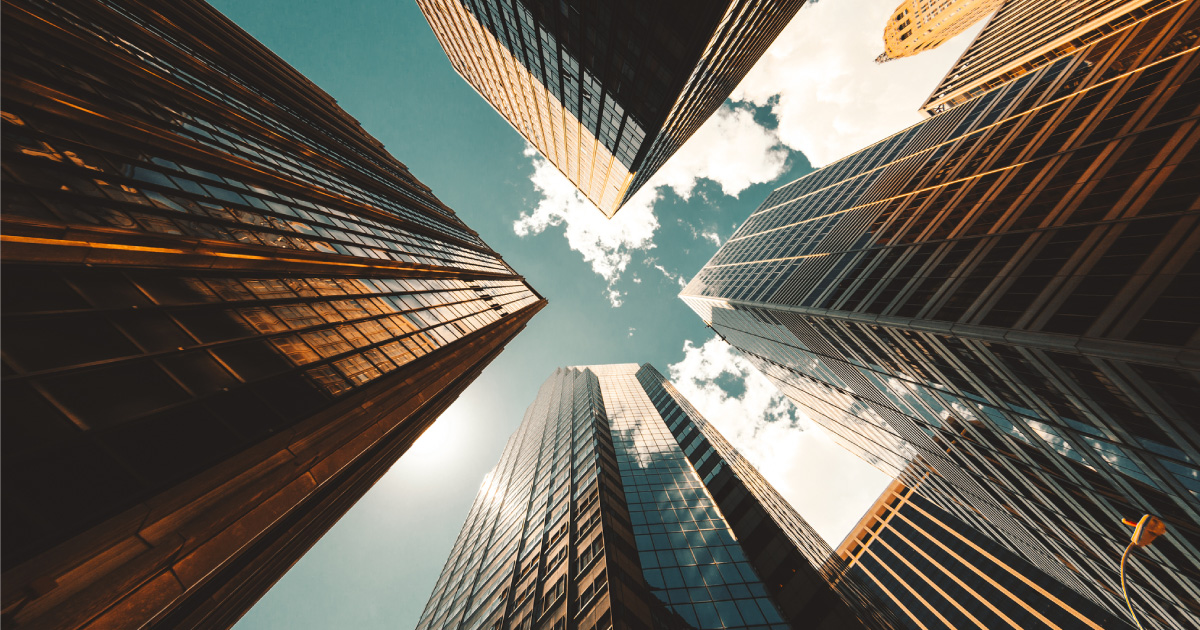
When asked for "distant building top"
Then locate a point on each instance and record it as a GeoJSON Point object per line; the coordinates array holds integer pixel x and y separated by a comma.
{"type": "Point", "coordinates": [919, 25]}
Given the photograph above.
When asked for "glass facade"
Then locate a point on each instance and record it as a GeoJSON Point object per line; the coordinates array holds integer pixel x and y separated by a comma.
{"type": "Point", "coordinates": [942, 574]}
{"type": "Point", "coordinates": [208, 265]}
{"type": "Point", "coordinates": [1025, 35]}
{"type": "Point", "coordinates": [606, 92]}
{"type": "Point", "coordinates": [1003, 297]}
{"type": "Point", "coordinates": [615, 504]}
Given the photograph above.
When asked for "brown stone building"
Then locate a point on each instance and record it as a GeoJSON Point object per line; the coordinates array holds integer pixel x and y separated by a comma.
{"type": "Point", "coordinates": [919, 25]}
{"type": "Point", "coordinates": [226, 312]}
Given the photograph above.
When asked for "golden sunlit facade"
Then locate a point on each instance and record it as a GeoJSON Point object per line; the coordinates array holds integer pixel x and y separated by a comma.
{"type": "Point", "coordinates": [1025, 35]}
{"type": "Point", "coordinates": [941, 574]}
{"type": "Point", "coordinates": [1003, 296]}
{"type": "Point", "coordinates": [606, 92]}
{"type": "Point", "coordinates": [919, 25]}
{"type": "Point", "coordinates": [226, 312]}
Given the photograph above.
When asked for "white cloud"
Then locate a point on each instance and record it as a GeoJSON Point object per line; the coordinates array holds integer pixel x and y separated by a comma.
{"type": "Point", "coordinates": [760, 407]}
{"type": "Point", "coordinates": [731, 149]}
{"type": "Point", "coordinates": [788, 448]}
{"type": "Point", "coordinates": [606, 245]}
{"type": "Point", "coordinates": [712, 236]}
{"type": "Point", "coordinates": [614, 296]}
{"type": "Point", "coordinates": [820, 80]}
{"type": "Point", "coordinates": [671, 275]}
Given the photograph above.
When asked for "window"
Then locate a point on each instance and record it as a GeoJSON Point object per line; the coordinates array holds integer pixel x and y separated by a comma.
{"type": "Point", "coordinates": [592, 590]}
{"type": "Point", "coordinates": [554, 593]}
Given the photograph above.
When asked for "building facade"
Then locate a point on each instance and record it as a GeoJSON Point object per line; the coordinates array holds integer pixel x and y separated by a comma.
{"type": "Point", "coordinates": [919, 25]}
{"type": "Point", "coordinates": [606, 91]}
{"type": "Point", "coordinates": [1027, 34]}
{"type": "Point", "coordinates": [942, 574]}
{"type": "Point", "coordinates": [226, 312]}
{"type": "Point", "coordinates": [616, 505]}
{"type": "Point", "coordinates": [1003, 297]}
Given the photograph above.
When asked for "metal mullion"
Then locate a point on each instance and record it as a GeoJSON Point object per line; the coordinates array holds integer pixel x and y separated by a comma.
{"type": "Point", "coordinates": [283, 301]}
{"type": "Point", "coordinates": [293, 370]}
{"type": "Point", "coordinates": [190, 63]}
{"type": "Point", "coordinates": [172, 215]}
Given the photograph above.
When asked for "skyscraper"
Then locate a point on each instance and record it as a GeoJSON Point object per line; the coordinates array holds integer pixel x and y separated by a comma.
{"type": "Point", "coordinates": [941, 574]}
{"type": "Point", "coordinates": [226, 312]}
{"type": "Point", "coordinates": [1027, 34]}
{"type": "Point", "coordinates": [616, 505]}
{"type": "Point", "coordinates": [919, 25]}
{"type": "Point", "coordinates": [606, 91]}
{"type": "Point", "coordinates": [1003, 296]}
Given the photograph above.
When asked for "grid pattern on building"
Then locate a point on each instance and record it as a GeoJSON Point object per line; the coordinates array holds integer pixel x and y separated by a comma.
{"type": "Point", "coordinates": [943, 574]}
{"type": "Point", "coordinates": [1027, 34]}
{"type": "Point", "coordinates": [1005, 294]}
{"type": "Point", "coordinates": [532, 553]}
{"type": "Point", "coordinates": [744, 33]}
{"type": "Point", "coordinates": [605, 91]}
{"type": "Point", "coordinates": [919, 25]}
{"type": "Point", "coordinates": [685, 546]}
{"type": "Point", "coordinates": [201, 253]}
{"type": "Point", "coordinates": [635, 521]}
{"type": "Point", "coordinates": [763, 520]}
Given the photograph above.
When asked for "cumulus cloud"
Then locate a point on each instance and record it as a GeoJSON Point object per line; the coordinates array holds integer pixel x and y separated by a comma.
{"type": "Point", "coordinates": [787, 447]}
{"type": "Point", "coordinates": [731, 149]}
{"type": "Point", "coordinates": [606, 245]}
{"type": "Point", "coordinates": [820, 81]}
{"type": "Point", "coordinates": [712, 236]}
{"type": "Point", "coordinates": [758, 407]}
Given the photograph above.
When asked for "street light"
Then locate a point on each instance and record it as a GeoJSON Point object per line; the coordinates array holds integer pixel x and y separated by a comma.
{"type": "Point", "coordinates": [1145, 531]}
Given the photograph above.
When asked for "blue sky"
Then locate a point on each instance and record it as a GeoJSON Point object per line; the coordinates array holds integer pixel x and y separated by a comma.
{"type": "Point", "coordinates": [612, 286]}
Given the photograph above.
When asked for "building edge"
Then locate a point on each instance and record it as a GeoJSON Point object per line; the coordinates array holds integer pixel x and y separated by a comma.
{"type": "Point", "coordinates": [200, 554]}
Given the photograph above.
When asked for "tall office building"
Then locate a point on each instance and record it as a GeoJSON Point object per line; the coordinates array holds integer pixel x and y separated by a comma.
{"type": "Point", "coordinates": [942, 575]}
{"type": "Point", "coordinates": [1004, 297]}
{"type": "Point", "coordinates": [1025, 35]}
{"type": "Point", "coordinates": [606, 91]}
{"type": "Point", "coordinates": [919, 25]}
{"type": "Point", "coordinates": [226, 312]}
{"type": "Point", "coordinates": [616, 505]}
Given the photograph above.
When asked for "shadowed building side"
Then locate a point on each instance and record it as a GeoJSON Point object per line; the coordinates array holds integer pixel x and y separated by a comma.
{"type": "Point", "coordinates": [615, 505]}
{"type": "Point", "coordinates": [227, 310]}
{"type": "Point", "coordinates": [1002, 296]}
{"type": "Point", "coordinates": [942, 574]}
{"type": "Point", "coordinates": [606, 91]}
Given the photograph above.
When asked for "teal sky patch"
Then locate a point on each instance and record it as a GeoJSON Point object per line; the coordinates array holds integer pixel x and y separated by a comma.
{"type": "Point", "coordinates": [379, 59]}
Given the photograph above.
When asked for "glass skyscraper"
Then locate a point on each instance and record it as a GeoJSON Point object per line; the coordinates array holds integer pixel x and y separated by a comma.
{"type": "Point", "coordinates": [1004, 297]}
{"type": "Point", "coordinates": [1025, 35]}
{"type": "Point", "coordinates": [616, 505]}
{"type": "Point", "coordinates": [606, 91]}
{"type": "Point", "coordinates": [227, 310]}
{"type": "Point", "coordinates": [941, 574]}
